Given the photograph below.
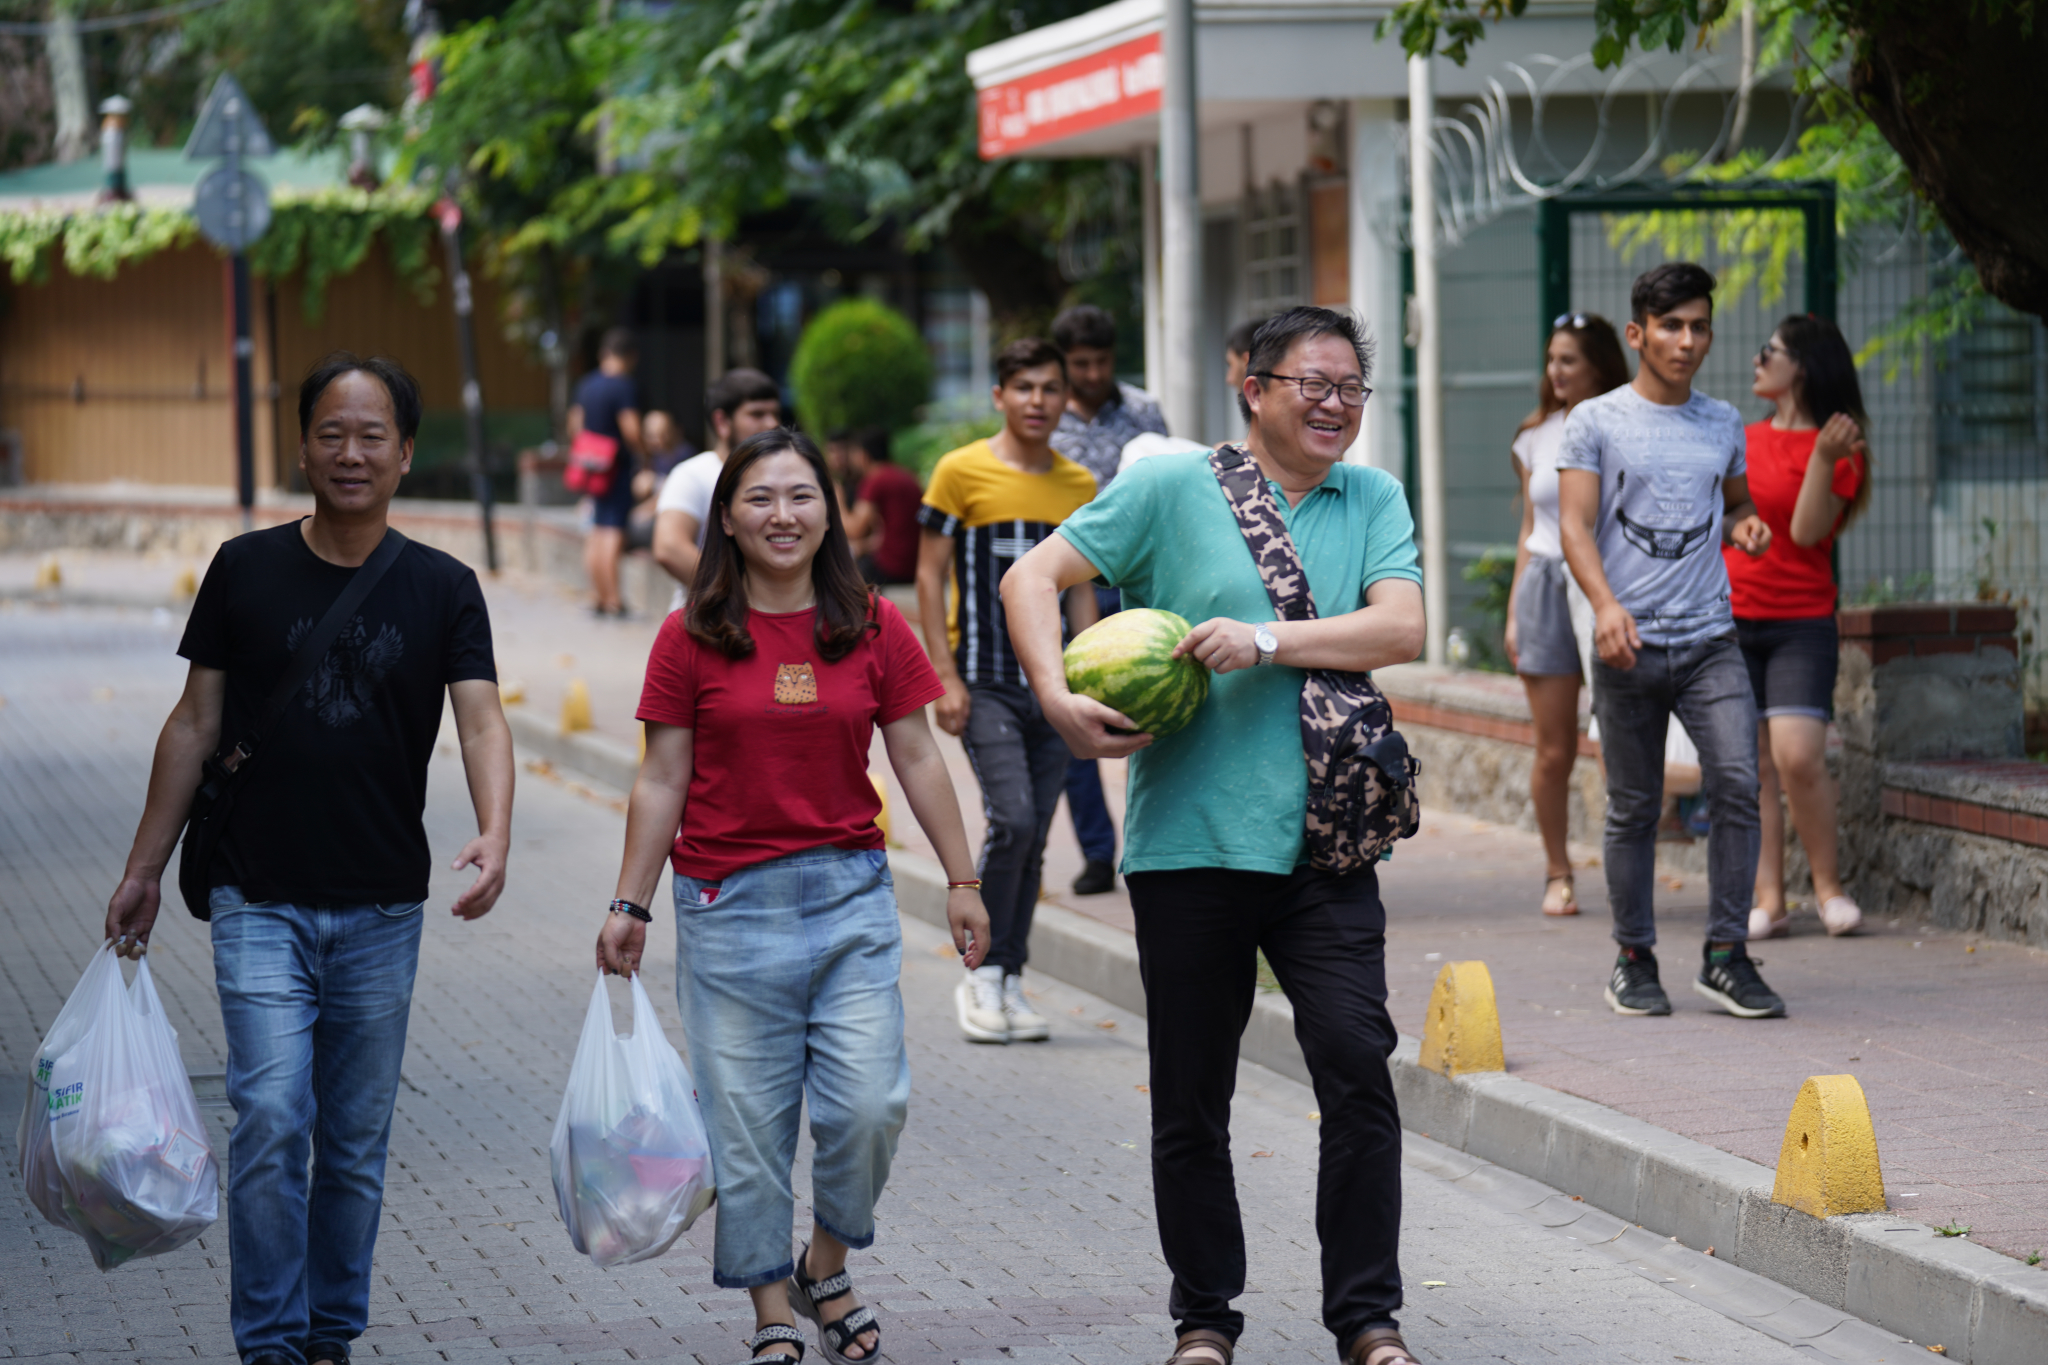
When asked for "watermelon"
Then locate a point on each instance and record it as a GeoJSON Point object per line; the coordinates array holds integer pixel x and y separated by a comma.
{"type": "Point", "coordinates": [1126, 661]}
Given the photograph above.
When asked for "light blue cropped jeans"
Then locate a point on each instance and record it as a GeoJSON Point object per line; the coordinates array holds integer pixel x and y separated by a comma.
{"type": "Point", "coordinates": [788, 987]}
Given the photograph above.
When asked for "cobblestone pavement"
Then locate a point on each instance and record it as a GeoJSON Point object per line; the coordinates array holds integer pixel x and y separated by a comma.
{"type": "Point", "coordinates": [1018, 1226]}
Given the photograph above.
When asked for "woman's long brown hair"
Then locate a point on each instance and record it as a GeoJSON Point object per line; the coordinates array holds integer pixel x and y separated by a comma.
{"type": "Point", "coordinates": [1601, 349]}
{"type": "Point", "coordinates": [717, 614]}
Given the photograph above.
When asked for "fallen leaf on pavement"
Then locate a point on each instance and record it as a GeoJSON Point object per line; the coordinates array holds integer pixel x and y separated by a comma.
{"type": "Point", "coordinates": [1433, 1284]}
{"type": "Point", "coordinates": [1262, 1154]}
{"type": "Point", "coordinates": [1105, 1023]}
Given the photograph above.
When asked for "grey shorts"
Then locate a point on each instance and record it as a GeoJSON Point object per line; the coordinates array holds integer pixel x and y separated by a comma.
{"type": "Point", "coordinates": [1543, 622]}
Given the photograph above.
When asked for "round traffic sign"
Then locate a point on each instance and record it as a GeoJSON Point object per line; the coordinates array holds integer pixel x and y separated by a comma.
{"type": "Point", "coordinates": [233, 207]}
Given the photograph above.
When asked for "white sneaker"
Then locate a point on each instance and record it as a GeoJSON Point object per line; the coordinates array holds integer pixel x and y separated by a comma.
{"type": "Point", "coordinates": [978, 1004]}
{"type": "Point", "coordinates": [1761, 925]}
{"type": "Point", "coordinates": [1026, 1024]}
{"type": "Point", "coordinates": [1841, 915]}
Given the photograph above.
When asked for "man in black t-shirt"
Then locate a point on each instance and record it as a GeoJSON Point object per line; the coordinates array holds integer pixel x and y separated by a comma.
{"type": "Point", "coordinates": [321, 875]}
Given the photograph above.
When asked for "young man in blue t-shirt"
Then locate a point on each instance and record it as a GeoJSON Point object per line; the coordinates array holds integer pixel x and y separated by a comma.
{"type": "Point", "coordinates": [1651, 484]}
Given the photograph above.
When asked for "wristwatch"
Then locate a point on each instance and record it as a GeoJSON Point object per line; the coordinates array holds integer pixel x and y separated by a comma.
{"type": "Point", "coordinates": [1267, 643]}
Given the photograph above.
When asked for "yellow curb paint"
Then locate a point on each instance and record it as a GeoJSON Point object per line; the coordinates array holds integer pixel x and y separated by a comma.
{"type": "Point", "coordinates": [186, 584]}
{"type": "Point", "coordinates": [511, 692]}
{"type": "Point", "coordinates": [1828, 1164]}
{"type": "Point", "coordinates": [575, 707]}
{"type": "Point", "coordinates": [49, 573]}
{"type": "Point", "coordinates": [881, 790]}
{"type": "Point", "coordinates": [1462, 1031]}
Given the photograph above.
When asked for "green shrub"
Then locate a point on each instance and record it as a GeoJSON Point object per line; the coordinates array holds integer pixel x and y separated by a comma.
{"type": "Point", "coordinates": [859, 364]}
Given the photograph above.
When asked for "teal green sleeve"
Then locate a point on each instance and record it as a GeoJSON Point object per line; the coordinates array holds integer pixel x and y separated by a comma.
{"type": "Point", "coordinates": [1111, 532]}
{"type": "Point", "coordinates": [1390, 531]}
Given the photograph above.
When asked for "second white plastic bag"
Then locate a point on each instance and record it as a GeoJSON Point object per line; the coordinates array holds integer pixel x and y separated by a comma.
{"type": "Point", "coordinates": [632, 1162]}
{"type": "Point", "coordinates": [112, 1144]}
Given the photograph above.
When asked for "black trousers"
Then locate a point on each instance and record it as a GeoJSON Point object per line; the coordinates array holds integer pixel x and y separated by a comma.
{"type": "Point", "coordinates": [1325, 937]}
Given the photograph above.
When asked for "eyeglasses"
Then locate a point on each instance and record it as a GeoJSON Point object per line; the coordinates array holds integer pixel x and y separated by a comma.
{"type": "Point", "coordinates": [1575, 321]}
{"type": "Point", "coordinates": [1350, 393]}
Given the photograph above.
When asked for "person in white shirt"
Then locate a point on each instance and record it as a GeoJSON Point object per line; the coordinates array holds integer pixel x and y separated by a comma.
{"type": "Point", "coordinates": [743, 403]}
{"type": "Point", "coordinates": [1582, 359]}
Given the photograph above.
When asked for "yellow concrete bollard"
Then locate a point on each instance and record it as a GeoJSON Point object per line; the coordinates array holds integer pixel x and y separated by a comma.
{"type": "Point", "coordinates": [49, 574]}
{"type": "Point", "coordinates": [881, 790]}
{"type": "Point", "coordinates": [1828, 1164]}
{"type": "Point", "coordinates": [575, 707]}
{"type": "Point", "coordinates": [1462, 1031]}
{"type": "Point", "coordinates": [511, 692]}
{"type": "Point", "coordinates": [186, 584]}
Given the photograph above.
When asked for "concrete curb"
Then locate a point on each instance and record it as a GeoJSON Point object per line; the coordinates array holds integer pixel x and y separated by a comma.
{"type": "Point", "coordinates": [609, 760]}
{"type": "Point", "coordinates": [1984, 1307]}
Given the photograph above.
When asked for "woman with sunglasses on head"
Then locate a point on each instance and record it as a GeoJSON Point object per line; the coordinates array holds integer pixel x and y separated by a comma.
{"type": "Point", "coordinates": [1582, 360]}
{"type": "Point", "coordinates": [760, 704]}
{"type": "Point", "coordinates": [1809, 472]}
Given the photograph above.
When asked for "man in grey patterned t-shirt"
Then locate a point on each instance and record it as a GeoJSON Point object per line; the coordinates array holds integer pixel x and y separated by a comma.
{"type": "Point", "coordinates": [1651, 484]}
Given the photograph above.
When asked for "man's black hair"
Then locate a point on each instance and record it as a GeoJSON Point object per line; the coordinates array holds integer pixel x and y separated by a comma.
{"type": "Point", "coordinates": [618, 341]}
{"type": "Point", "coordinates": [1665, 287]}
{"type": "Point", "coordinates": [736, 388]}
{"type": "Point", "coordinates": [1239, 342]}
{"type": "Point", "coordinates": [1084, 325]}
{"type": "Point", "coordinates": [873, 440]}
{"type": "Point", "coordinates": [401, 386]}
{"type": "Point", "coordinates": [1277, 335]}
{"type": "Point", "coordinates": [1028, 353]}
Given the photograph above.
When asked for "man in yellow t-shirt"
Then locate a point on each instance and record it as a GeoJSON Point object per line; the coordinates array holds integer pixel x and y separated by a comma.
{"type": "Point", "coordinates": [986, 506]}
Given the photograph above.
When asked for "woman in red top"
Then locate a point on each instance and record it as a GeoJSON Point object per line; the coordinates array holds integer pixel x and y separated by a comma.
{"type": "Point", "coordinates": [761, 702]}
{"type": "Point", "coordinates": [1809, 473]}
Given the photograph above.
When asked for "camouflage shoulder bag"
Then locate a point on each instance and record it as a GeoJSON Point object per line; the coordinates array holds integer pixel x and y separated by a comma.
{"type": "Point", "coordinates": [1361, 778]}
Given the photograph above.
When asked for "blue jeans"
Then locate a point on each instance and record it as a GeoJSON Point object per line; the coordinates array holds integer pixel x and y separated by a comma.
{"type": "Point", "coordinates": [1021, 763]}
{"type": "Point", "coordinates": [1707, 687]}
{"type": "Point", "coordinates": [1085, 803]}
{"type": "Point", "coordinates": [787, 985]}
{"type": "Point", "coordinates": [315, 999]}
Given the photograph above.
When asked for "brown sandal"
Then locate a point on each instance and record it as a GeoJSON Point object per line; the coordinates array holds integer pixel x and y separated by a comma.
{"type": "Point", "coordinates": [1201, 1336]}
{"type": "Point", "coordinates": [1380, 1339]}
{"type": "Point", "coordinates": [1567, 903]}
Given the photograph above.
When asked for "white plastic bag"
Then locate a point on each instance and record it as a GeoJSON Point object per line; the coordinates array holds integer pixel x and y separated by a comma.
{"type": "Point", "coordinates": [112, 1145]}
{"type": "Point", "coordinates": [631, 1160]}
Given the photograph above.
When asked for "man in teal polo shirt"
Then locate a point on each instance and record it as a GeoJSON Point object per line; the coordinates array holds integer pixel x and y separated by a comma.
{"type": "Point", "coordinates": [1213, 851]}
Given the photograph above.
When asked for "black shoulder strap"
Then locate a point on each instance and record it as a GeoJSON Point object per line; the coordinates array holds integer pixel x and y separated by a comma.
{"type": "Point", "coordinates": [316, 645]}
{"type": "Point", "coordinates": [1265, 532]}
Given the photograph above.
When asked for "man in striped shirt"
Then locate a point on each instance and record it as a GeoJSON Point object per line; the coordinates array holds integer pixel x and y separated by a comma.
{"type": "Point", "coordinates": [986, 506]}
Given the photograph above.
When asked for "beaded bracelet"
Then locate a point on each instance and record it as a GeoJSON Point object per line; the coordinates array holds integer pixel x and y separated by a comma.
{"type": "Point", "coordinates": [638, 912]}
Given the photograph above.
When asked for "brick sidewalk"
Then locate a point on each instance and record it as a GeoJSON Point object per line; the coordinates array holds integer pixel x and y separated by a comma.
{"type": "Point", "coordinates": [1016, 1229]}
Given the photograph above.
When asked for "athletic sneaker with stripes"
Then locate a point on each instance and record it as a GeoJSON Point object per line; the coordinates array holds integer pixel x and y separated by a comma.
{"type": "Point", "coordinates": [1728, 977]}
{"type": "Point", "coordinates": [1634, 987]}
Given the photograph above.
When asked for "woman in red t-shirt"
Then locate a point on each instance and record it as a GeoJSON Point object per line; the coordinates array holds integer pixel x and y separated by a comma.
{"type": "Point", "coordinates": [761, 703]}
{"type": "Point", "coordinates": [1809, 473]}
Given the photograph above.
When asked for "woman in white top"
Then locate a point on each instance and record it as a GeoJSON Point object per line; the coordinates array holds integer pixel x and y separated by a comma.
{"type": "Point", "coordinates": [1583, 359]}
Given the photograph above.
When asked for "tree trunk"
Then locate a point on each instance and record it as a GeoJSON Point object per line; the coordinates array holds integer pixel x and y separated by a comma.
{"type": "Point", "coordinates": [1963, 101]}
{"type": "Point", "coordinates": [1010, 267]}
{"type": "Point", "coordinates": [67, 84]}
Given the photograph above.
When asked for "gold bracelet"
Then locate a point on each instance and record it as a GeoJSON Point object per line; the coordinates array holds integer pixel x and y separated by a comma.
{"type": "Point", "coordinates": [974, 884]}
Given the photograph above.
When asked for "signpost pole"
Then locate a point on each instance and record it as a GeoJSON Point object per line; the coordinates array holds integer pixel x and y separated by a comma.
{"type": "Point", "coordinates": [1180, 264]}
{"type": "Point", "coordinates": [472, 391]}
{"type": "Point", "coordinates": [1429, 369]}
{"type": "Point", "coordinates": [245, 426]}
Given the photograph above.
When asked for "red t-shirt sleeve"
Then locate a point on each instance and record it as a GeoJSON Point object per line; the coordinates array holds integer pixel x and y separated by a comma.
{"type": "Point", "coordinates": [1848, 477]}
{"type": "Point", "coordinates": [908, 678]}
{"type": "Point", "coordinates": [669, 695]}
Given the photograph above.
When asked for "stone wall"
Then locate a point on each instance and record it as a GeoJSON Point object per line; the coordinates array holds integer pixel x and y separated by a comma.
{"type": "Point", "coordinates": [1943, 819]}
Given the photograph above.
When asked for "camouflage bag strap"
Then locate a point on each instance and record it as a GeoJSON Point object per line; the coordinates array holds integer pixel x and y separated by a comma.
{"type": "Point", "coordinates": [1265, 532]}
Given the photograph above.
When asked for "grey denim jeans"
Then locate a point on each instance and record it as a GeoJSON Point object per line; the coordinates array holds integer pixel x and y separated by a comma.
{"type": "Point", "coordinates": [1707, 687]}
{"type": "Point", "coordinates": [1021, 763]}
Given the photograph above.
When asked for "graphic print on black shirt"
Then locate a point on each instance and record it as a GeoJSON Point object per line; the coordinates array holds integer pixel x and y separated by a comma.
{"type": "Point", "coordinates": [331, 813]}
{"type": "Point", "coordinates": [344, 683]}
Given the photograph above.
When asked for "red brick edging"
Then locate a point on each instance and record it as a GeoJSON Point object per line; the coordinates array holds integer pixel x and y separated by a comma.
{"type": "Point", "coordinates": [1967, 816]}
{"type": "Point", "coordinates": [1487, 727]}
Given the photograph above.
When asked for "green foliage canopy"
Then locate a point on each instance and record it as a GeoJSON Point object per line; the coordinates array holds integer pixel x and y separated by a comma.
{"type": "Point", "coordinates": [859, 364]}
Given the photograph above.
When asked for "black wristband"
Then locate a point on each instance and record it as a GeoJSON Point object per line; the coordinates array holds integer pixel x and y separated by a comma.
{"type": "Point", "coordinates": [638, 912]}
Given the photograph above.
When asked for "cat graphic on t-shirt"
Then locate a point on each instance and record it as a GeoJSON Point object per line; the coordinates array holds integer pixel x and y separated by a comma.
{"type": "Point", "coordinates": [796, 685]}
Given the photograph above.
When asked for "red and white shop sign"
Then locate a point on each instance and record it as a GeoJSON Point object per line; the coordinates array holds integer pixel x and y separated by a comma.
{"type": "Point", "coordinates": [1091, 92]}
